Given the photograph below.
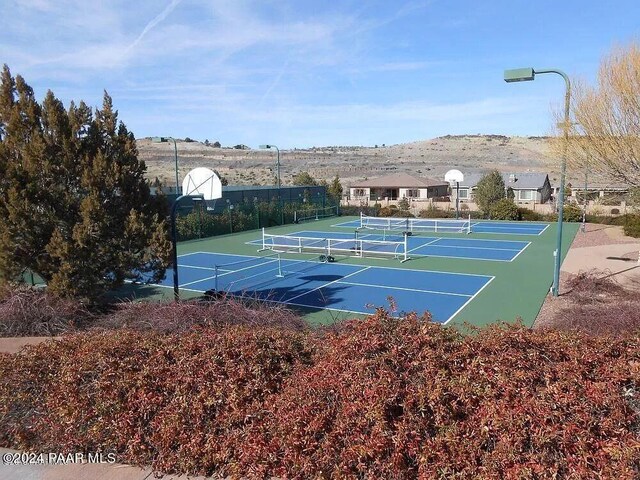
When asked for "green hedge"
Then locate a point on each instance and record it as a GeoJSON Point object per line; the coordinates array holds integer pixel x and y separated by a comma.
{"type": "Point", "coordinates": [632, 225]}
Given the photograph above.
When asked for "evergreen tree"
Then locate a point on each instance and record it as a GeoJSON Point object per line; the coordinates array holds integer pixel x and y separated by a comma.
{"type": "Point", "coordinates": [75, 207]}
{"type": "Point", "coordinates": [334, 190]}
{"type": "Point", "coordinates": [489, 190]}
{"type": "Point", "coordinates": [304, 179]}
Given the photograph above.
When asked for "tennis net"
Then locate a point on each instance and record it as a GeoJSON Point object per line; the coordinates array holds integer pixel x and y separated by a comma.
{"type": "Point", "coordinates": [248, 275]}
{"type": "Point", "coordinates": [315, 214]}
{"type": "Point", "coordinates": [415, 225]}
{"type": "Point", "coordinates": [328, 247]}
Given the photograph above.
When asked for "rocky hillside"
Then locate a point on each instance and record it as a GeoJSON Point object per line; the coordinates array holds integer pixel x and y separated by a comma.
{"type": "Point", "coordinates": [429, 158]}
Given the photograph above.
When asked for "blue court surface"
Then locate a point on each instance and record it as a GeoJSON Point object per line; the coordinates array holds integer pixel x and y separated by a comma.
{"type": "Point", "coordinates": [332, 286]}
{"type": "Point", "coordinates": [434, 246]}
{"type": "Point", "coordinates": [477, 226]}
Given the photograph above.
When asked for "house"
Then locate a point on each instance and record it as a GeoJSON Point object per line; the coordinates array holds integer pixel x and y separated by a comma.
{"type": "Point", "coordinates": [396, 187]}
{"type": "Point", "coordinates": [528, 187]}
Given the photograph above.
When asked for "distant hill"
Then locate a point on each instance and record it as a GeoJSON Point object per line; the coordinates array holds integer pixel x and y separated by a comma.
{"type": "Point", "coordinates": [429, 158]}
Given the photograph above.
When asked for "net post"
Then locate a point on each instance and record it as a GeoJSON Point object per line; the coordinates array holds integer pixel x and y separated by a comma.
{"type": "Point", "coordinates": [327, 247]}
{"type": "Point", "coordinates": [406, 249]}
{"type": "Point", "coordinates": [299, 244]}
{"type": "Point", "coordinates": [469, 226]}
{"type": "Point", "coordinates": [264, 244]}
{"type": "Point", "coordinates": [215, 283]}
{"type": "Point", "coordinates": [279, 275]}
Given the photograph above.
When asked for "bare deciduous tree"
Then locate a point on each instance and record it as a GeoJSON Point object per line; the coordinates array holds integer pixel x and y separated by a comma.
{"type": "Point", "coordinates": [605, 134]}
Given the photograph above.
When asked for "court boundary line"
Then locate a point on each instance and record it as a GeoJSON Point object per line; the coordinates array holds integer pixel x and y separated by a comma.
{"type": "Point", "coordinates": [469, 301]}
{"type": "Point", "coordinates": [357, 312]}
{"type": "Point", "coordinates": [518, 254]}
{"type": "Point", "coordinates": [464, 239]}
{"type": "Point", "coordinates": [546, 226]}
{"type": "Point", "coordinates": [519, 251]}
{"type": "Point", "coordinates": [353, 265]}
{"type": "Point", "coordinates": [416, 290]}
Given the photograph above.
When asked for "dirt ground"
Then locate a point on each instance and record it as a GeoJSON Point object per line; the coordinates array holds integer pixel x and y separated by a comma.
{"type": "Point", "coordinates": [603, 249]}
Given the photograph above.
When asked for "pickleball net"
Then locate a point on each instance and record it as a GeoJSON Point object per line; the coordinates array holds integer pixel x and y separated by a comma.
{"type": "Point", "coordinates": [415, 225]}
{"type": "Point", "coordinates": [328, 247]}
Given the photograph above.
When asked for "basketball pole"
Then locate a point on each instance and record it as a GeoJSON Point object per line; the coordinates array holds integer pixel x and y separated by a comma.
{"type": "Point", "coordinates": [174, 243]}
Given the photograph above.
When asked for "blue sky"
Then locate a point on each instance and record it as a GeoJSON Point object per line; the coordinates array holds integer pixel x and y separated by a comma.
{"type": "Point", "coordinates": [312, 73]}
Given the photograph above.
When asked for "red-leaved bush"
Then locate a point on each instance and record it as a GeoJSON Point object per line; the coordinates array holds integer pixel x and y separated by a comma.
{"type": "Point", "coordinates": [377, 398]}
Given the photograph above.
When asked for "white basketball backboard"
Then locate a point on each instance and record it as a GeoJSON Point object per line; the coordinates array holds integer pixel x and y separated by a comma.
{"type": "Point", "coordinates": [204, 182]}
{"type": "Point", "coordinates": [453, 176]}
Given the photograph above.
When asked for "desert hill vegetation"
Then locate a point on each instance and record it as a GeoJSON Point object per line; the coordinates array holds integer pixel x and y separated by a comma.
{"type": "Point", "coordinates": [242, 165]}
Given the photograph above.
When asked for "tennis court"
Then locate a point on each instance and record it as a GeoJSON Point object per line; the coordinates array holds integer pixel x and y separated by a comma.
{"type": "Point", "coordinates": [450, 225]}
{"type": "Point", "coordinates": [417, 246]}
{"type": "Point", "coordinates": [331, 286]}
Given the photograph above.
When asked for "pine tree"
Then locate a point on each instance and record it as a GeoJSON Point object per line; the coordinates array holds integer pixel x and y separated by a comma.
{"type": "Point", "coordinates": [489, 190]}
{"type": "Point", "coordinates": [335, 190]}
{"type": "Point", "coordinates": [75, 207]}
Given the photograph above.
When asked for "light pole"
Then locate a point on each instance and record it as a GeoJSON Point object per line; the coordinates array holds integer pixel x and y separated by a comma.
{"type": "Point", "coordinates": [175, 151]}
{"type": "Point", "coordinates": [268, 147]}
{"type": "Point", "coordinates": [528, 74]}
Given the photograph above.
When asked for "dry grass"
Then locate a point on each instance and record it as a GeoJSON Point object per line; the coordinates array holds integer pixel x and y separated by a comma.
{"type": "Point", "coordinates": [597, 305]}
{"type": "Point", "coordinates": [177, 317]}
{"type": "Point", "coordinates": [25, 311]}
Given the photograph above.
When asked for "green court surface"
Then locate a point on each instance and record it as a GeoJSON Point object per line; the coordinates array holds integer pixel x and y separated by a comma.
{"type": "Point", "coordinates": [519, 269]}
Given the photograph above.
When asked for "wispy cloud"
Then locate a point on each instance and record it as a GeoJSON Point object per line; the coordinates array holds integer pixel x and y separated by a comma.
{"type": "Point", "coordinates": [159, 18]}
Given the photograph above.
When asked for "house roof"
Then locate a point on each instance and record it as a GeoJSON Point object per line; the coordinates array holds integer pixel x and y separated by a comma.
{"type": "Point", "coordinates": [517, 181]}
{"type": "Point", "coordinates": [398, 180]}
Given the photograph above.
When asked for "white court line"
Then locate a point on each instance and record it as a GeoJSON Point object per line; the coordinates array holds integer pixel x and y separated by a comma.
{"type": "Point", "coordinates": [197, 281]}
{"type": "Point", "coordinates": [196, 267]}
{"type": "Point", "coordinates": [357, 265]}
{"type": "Point", "coordinates": [458, 239]}
{"type": "Point", "coordinates": [544, 229]}
{"type": "Point", "coordinates": [525, 247]}
{"type": "Point", "coordinates": [468, 301]}
{"type": "Point", "coordinates": [476, 248]}
{"type": "Point", "coordinates": [424, 245]}
{"type": "Point", "coordinates": [330, 283]}
{"type": "Point", "coordinates": [250, 266]}
{"type": "Point", "coordinates": [404, 289]}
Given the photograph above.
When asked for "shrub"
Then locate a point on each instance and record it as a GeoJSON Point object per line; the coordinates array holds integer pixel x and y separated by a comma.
{"type": "Point", "coordinates": [504, 209]}
{"type": "Point", "coordinates": [598, 306]}
{"type": "Point", "coordinates": [180, 402]}
{"type": "Point", "coordinates": [385, 212]}
{"type": "Point", "coordinates": [571, 213]}
{"type": "Point", "coordinates": [632, 225]}
{"type": "Point", "coordinates": [529, 215]}
{"type": "Point", "coordinates": [408, 399]}
{"type": "Point", "coordinates": [178, 317]}
{"type": "Point", "coordinates": [432, 212]}
{"type": "Point", "coordinates": [375, 398]}
{"type": "Point", "coordinates": [27, 311]}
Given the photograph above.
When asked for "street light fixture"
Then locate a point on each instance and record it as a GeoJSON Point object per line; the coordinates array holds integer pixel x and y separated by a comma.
{"type": "Point", "coordinates": [175, 151]}
{"type": "Point", "coordinates": [528, 74]}
{"type": "Point", "coordinates": [268, 147]}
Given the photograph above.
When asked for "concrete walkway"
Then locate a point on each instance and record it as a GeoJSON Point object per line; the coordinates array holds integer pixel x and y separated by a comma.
{"type": "Point", "coordinates": [619, 261]}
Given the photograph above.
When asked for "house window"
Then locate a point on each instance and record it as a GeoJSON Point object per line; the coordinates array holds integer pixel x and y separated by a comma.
{"type": "Point", "coordinates": [414, 193]}
{"type": "Point", "coordinates": [526, 195]}
{"type": "Point", "coordinates": [359, 192]}
{"type": "Point", "coordinates": [464, 194]}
